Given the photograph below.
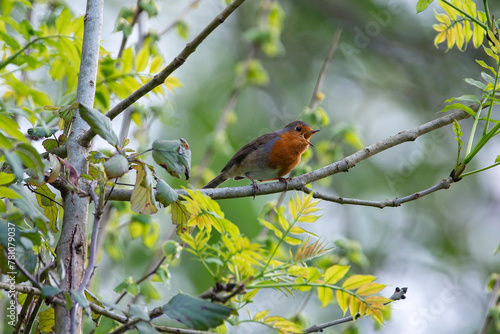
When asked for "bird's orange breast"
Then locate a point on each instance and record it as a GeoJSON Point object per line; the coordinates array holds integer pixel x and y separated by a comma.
{"type": "Point", "coordinates": [286, 152]}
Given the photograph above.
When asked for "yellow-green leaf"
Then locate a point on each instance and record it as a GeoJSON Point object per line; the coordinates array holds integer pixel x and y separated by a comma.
{"type": "Point", "coordinates": [297, 230]}
{"type": "Point", "coordinates": [127, 60]}
{"type": "Point", "coordinates": [342, 300]}
{"type": "Point", "coordinates": [292, 241]}
{"type": "Point", "coordinates": [172, 82]}
{"type": "Point", "coordinates": [273, 228]}
{"type": "Point", "coordinates": [370, 289]}
{"type": "Point", "coordinates": [380, 300]}
{"type": "Point", "coordinates": [335, 273]}
{"type": "Point", "coordinates": [46, 320]}
{"type": "Point", "coordinates": [325, 295]}
{"type": "Point", "coordinates": [376, 314]}
{"type": "Point", "coordinates": [282, 221]}
{"type": "Point", "coordinates": [293, 209]}
{"type": "Point", "coordinates": [355, 281]}
{"type": "Point", "coordinates": [354, 304]}
{"type": "Point", "coordinates": [6, 178]}
{"type": "Point", "coordinates": [440, 38]}
{"type": "Point", "coordinates": [478, 35]}
{"type": "Point", "coordinates": [308, 219]}
{"type": "Point", "coordinates": [260, 315]}
{"type": "Point", "coordinates": [142, 58]}
{"type": "Point", "coordinates": [10, 127]}
{"type": "Point", "coordinates": [155, 64]}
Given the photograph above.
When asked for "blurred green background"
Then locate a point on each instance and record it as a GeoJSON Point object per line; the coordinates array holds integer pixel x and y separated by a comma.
{"type": "Point", "coordinates": [386, 76]}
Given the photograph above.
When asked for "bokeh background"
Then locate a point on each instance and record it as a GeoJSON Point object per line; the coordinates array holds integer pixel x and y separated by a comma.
{"type": "Point", "coordinates": [386, 76]}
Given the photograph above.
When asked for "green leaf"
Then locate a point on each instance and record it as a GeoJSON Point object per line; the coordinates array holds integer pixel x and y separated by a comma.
{"type": "Point", "coordinates": [6, 178]}
{"type": "Point", "coordinates": [50, 208]}
{"type": "Point", "coordinates": [423, 4]}
{"type": "Point", "coordinates": [475, 83]}
{"type": "Point", "coordinates": [15, 164]}
{"type": "Point", "coordinates": [165, 194]}
{"type": "Point", "coordinates": [182, 29]}
{"type": "Point", "coordinates": [196, 313]}
{"type": "Point", "coordinates": [49, 290]}
{"type": "Point", "coordinates": [10, 127]}
{"type": "Point", "coordinates": [100, 123]}
{"type": "Point", "coordinates": [145, 328]}
{"type": "Point", "coordinates": [174, 156]}
{"type": "Point", "coordinates": [81, 300]}
{"type": "Point", "coordinates": [26, 206]}
{"type": "Point", "coordinates": [32, 160]}
{"type": "Point", "coordinates": [469, 98]}
{"type": "Point", "coordinates": [459, 106]}
{"type": "Point", "coordinates": [50, 144]}
{"type": "Point", "coordinates": [139, 311]}
{"type": "Point", "coordinates": [8, 193]}
{"type": "Point", "coordinates": [41, 132]}
{"type": "Point", "coordinates": [116, 166]}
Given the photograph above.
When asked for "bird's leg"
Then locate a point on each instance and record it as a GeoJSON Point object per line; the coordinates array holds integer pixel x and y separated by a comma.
{"type": "Point", "coordinates": [255, 186]}
{"type": "Point", "coordinates": [285, 179]}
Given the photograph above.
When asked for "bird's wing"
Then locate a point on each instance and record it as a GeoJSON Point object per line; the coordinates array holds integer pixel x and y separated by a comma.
{"type": "Point", "coordinates": [249, 148]}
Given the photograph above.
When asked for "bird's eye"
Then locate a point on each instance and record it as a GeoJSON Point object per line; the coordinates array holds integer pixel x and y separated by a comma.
{"type": "Point", "coordinates": [298, 128]}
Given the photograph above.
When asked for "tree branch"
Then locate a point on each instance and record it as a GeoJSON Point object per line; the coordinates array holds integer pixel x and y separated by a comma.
{"type": "Point", "coordinates": [142, 279]}
{"type": "Point", "coordinates": [177, 62]}
{"type": "Point", "coordinates": [299, 182]}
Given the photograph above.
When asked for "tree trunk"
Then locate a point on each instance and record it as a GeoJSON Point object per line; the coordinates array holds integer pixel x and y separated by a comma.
{"type": "Point", "coordinates": [72, 245]}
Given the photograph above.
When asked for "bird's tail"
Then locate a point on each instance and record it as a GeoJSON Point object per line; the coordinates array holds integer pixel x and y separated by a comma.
{"type": "Point", "coordinates": [218, 180]}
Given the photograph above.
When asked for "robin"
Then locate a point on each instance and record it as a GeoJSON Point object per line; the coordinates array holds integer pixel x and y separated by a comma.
{"type": "Point", "coordinates": [269, 157]}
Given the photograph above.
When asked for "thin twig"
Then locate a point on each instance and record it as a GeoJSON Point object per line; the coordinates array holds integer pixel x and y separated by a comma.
{"type": "Point", "coordinates": [321, 77]}
{"type": "Point", "coordinates": [183, 13]}
{"type": "Point", "coordinates": [32, 318]}
{"type": "Point", "coordinates": [138, 11]}
{"type": "Point", "coordinates": [142, 279]}
{"type": "Point", "coordinates": [155, 313]}
{"type": "Point", "coordinates": [177, 62]}
{"type": "Point", "coordinates": [45, 196]}
{"type": "Point", "coordinates": [398, 294]}
{"type": "Point", "coordinates": [22, 315]}
{"type": "Point", "coordinates": [95, 231]}
{"type": "Point", "coordinates": [24, 271]}
{"type": "Point", "coordinates": [443, 184]}
{"type": "Point", "coordinates": [491, 304]}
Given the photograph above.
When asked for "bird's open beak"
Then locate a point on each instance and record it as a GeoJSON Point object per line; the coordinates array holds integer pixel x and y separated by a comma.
{"type": "Point", "coordinates": [308, 135]}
